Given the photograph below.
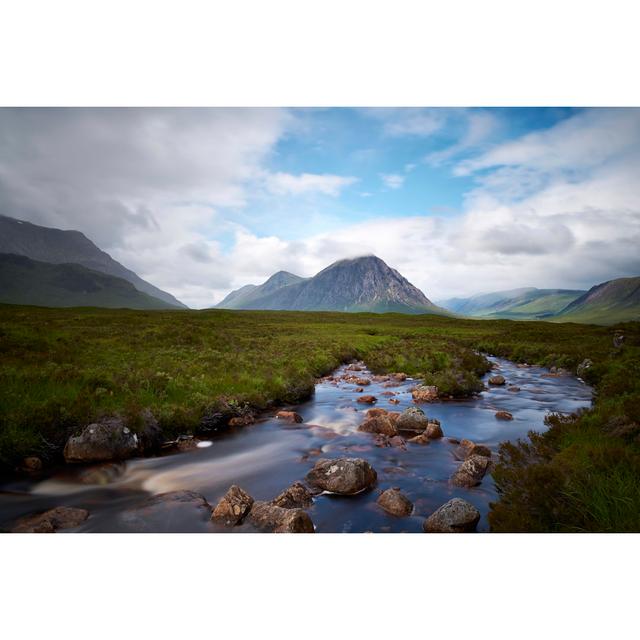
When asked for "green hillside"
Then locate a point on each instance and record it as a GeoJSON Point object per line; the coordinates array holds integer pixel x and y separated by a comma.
{"type": "Point", "coordinates": [30, 282]}
{"type": "Point", "coordinates": [543, 304]}
{"type": "Point", "coordinates": [607, 303]}
{"type": "Point", "coordinates": [516, 304]}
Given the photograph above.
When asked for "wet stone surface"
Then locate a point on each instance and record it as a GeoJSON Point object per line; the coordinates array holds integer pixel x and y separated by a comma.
{"type": "Point", "coordinates": [269, 456]}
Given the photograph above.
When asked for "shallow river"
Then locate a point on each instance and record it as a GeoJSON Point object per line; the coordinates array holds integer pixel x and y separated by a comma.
{"type": "Point", "coordinates": [268, 456]}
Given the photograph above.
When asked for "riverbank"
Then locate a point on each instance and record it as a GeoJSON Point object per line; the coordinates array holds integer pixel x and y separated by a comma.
{"type": "Point", "coordinates": [421, 456]}
{"type": "Point", "coordinates": [62, 369]}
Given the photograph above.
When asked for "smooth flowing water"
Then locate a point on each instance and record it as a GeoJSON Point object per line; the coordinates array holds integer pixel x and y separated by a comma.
{"type": "Point", "coordinates": [268, 456]}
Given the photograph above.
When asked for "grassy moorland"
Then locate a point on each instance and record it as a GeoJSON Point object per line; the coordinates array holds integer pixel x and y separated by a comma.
{"type": "Point", "coordinates": [61, 368]}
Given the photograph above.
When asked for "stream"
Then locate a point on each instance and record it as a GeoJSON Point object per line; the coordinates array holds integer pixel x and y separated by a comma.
{"type": "Point", "coordinates": [266, 457]}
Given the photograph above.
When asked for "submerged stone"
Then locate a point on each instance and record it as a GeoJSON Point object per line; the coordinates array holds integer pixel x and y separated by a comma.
{"type": "Point", "coordinates": [52, 520]}
{"type": "Point", "coordinates": [395, 502]}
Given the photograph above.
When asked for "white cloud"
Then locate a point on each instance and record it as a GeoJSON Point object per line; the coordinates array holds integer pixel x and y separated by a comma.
{"type": "Point", "coordinates": [405, 121]}
{"type": "Point", "coordinates": [129, 178]}
{"type": "Point", "coordinates": [585, 140]}
{"type": "Point", "coordinates": [392, 180]}
{"type": "Point", "coordinates": [478, 126]}
{"type": "Point", "coordinates": [554, 208]}
{"type": "Point", "coordinates": [561, 221]}
{"type": "Point", "coordinates": [289, 184]}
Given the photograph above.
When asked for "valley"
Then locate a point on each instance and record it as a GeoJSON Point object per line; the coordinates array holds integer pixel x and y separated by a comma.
{"type": "Point", "coordinates": [182, 376]}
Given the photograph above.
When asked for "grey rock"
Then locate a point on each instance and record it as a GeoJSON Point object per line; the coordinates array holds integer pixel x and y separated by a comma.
{"type": "Point", "coordinates": [412, 419]}
{"type": "Point", "coordinates": [109, 439]}
{"type": "Point", "coordinates": [345, 476]}
{"type": "Point", "coordinates": [471, 471]}
{"type": "Point", "coordinates": [455, 516]}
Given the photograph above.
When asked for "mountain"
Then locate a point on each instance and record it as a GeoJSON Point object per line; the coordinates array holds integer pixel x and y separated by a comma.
{"type": "Point", "coordinates": [359, 284]}
{"type": "Point", "coordinates": [482, 302]}
{"type": "Point", "coordinates": [518, 304]}
{"type": "Point", "coordinates": [244, 297]}
{"type": "Point", "coordinates": [57, 246]}
{"type": "Point", "coordinates": [31, 282]}
{"type": "Point", "coordinates": [606, 303]}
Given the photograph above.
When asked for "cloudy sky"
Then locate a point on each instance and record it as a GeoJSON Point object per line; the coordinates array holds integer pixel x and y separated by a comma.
{"type": "Point", "coordinates": [460, 201]}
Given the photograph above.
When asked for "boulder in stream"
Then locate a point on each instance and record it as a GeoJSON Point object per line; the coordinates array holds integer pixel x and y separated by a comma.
{"type": "Point", "coordinates": [346, 476]}
{"type": "Point", "coordinates": [504, 415]}
{"type": "Point", "coordinates": [455, 516]}
{"type": "Point", "coordinates": [52, 520]}
{"type": "Point", "coordinates": [393, 501]}
{"type": "Point", "coordinates": [471, 471]}
{"type": "Point", "coordinates": [432, 432]}
{"type": "Point", "coordinates": [109, 439]}
{"type": "Point", "coordinates": [469, 448]}
{"type": "Point", "coordinates": [497, 380]}
{"type": "Point", "coordinates": [232, 507]}
{"type": "Point", "coordinates": [270, 517]}
{"type": "Point", "coordinates": [379, 423]}
{"type": "Point", "coordinates": [357, 380]}
{"type": "Point", "coordinates": [294, 497]}
{"type": "Point", "coordinates": [367, 399]}
{"type": "Point", "coordinates": [31, 464]}
{"type": "Point", "coordinates": [289, 416]}
{"type": "Point", "coordinates": [424, 393]}
{"type": "Point", "coordinates": [412, 419]}
{"type": "Point", "coordinates": [243, 420]}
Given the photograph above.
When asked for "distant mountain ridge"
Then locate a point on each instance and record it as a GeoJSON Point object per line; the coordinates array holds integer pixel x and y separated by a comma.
{"type": "Point", "coordinates": [32, 282]}
{"type": "Point", "coordinates": [250, 294]}
{"type": "Point", "coordinates": [528, 303]}
{"type": "Point", "coordinates": [358, 284]}
{"type": "Point", "coordinates": [606, 303]}
{"type": "Point", "coordinates": [57, 246]}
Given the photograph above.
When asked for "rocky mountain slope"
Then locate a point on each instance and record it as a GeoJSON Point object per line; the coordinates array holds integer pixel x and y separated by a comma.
{"type": "Point", "coordinates": [607, 303]}
{"type": "Point", "coordinates": [359, 284]}
{"type": "Point", "coordinates": [57, 246]}
{"type": "Point", "coordinates": [244, 297]}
